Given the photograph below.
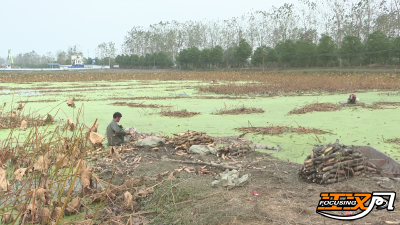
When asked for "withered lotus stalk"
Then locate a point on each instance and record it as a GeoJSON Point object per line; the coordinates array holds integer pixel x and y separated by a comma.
{"type": "Point", "coordinates": [128, 201]}
{"type": "Point", "coordinates": [4, 184]}
{"type": "Point", "coordinates": [70, 103]}
{"type": "Point", "coordinates": [74, 207]}
{"type": "Point", "coordinates": [24, 125]}
{"type": "Point", "coordinates": [7, 218]}
{"type": "Point", "coordinates": [70, 125]}
{"type": "Point", "coordinates": [42, 164]}
{"type": "Point", "coordinates": [44, 216]}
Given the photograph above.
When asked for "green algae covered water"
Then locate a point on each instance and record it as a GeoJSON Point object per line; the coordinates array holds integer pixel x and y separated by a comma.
{"type": "Point", "coordinates": [351, 125]}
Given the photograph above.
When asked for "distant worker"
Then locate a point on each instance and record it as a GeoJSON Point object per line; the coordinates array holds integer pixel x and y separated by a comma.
{"type": "Point", "coordinates": [115, 134]}
{"type": "Point", "coordinates": [352, 99]}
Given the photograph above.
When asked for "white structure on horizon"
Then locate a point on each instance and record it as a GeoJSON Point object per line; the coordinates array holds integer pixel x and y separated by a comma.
{"type": "Point", "coordinates": [76, 60]}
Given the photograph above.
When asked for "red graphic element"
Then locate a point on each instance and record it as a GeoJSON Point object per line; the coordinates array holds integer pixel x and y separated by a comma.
{"type": "Point", "coordinates": [348, 213]}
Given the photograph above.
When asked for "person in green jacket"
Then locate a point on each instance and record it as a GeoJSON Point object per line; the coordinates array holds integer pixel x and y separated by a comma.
{"type": "Point", "coordinates": [115, 133]}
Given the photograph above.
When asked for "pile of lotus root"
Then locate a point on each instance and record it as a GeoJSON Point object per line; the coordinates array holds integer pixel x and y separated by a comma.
{"type": "Point", "coordinates": [333, 163]}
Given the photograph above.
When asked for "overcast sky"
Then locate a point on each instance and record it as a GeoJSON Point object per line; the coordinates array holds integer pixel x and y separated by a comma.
{"type": "Point", "coordinates": [48, 25]}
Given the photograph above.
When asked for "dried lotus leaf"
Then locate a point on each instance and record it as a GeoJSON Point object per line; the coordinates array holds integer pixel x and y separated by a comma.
{"type": "Point", "coordinates": [19, 173]}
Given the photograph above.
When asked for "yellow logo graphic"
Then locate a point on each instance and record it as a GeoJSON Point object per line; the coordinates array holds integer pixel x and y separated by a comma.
{"type": "Point", "coordinates": [354, 201]}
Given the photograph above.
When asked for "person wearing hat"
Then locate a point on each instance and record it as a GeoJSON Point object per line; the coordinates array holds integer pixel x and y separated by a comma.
{"type": "Point", "coordinates": [352, 99]}
{"type": "Point", "coordinates": [115, 134]}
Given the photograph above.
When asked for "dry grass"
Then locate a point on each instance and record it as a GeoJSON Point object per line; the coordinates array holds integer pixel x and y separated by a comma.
{"type": "Point", "coordinates": [235, 110]}
{"type": "Point", "coordinates": [272, 83]}
{"type": "Point", "coordinates": [393, 140]}
{"type": "Point", "coordinates": [139, 105]}
{"type": "Point", "coordinates": [44, 100]}
{"type": "Point", "coordinates": [388, 103]}
{"type": "Point", "coordinates": [276, 130]}
{"type": "Point", "coordinates": [178, 113]}
{"type": "Point", "coordinates": [373, 106]}
{"type": "Point", "coordinates": [47, 172]}
{"type": "Point", "coordinates": [319, 107]}
{"type": "Point", "coordinates": [221, 97]}
{"type": "Point", "coordinates": [144, 98]}
{"type": "Point", "coordinates": [325, 107]}
{"type": "Point", "coordinates": [390, 93]}
{"type": "Point", "coordinates": [45, 87]}
{"type": "Point", "coordinates": [10, 119]}
{"type": "Point", "coordinates": [297, 84]}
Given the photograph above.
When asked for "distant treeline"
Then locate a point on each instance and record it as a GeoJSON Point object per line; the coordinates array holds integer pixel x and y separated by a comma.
{"type": "Point", "coordinates": [148, 61]}
{"type": "Point", "coordinates": [310, 33]}
{"type": "Point", "coordinates": [377, 49]}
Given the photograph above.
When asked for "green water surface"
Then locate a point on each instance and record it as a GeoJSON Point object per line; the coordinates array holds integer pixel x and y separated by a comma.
{"type": "Point", "coordinates": [351, 125]}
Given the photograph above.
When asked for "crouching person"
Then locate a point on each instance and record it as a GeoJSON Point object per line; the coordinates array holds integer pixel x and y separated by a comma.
{"type": "Point", "coordinates": [352, 99]}
{"type": "Point", "coordinates": [115, 134]}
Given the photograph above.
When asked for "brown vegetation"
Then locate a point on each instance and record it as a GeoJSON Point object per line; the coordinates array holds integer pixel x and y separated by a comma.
{"type": "Point", "coordinates": [15, 119]}
{"type": "Point", "coordinates": [276, 130]}
{"type": "Point", "coordinates": [373, 106]}
{"type": "Point", "coordinates": [150, 195]}
{"type": "Point", "coordinates": [221, 97]}
{"type": "Point", "coordinates": [394, 140]}
{"type": "Point", "coordinates": [390, 93]}
{"type": "Point", "coordinates": [388, 103]}
{"type": "Point", "coordinates": [144, 98]}
{"type": "Point", "coordinates": [235, 110]}
{"type": "Point", "coordinates": [178, 113]}
{"type": "Point", "coordinates": [272, 83]}
{"type": "Point", "coordinates": [139, 105]}
{"type": "Point", "coordinates": [44, 100]}
{"type": "Point", "coordinates": [297, 84]}
{"type": "Point", "coordinates": [333, 163]}
{"type": "Point", "coordinates": [319, 107]}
